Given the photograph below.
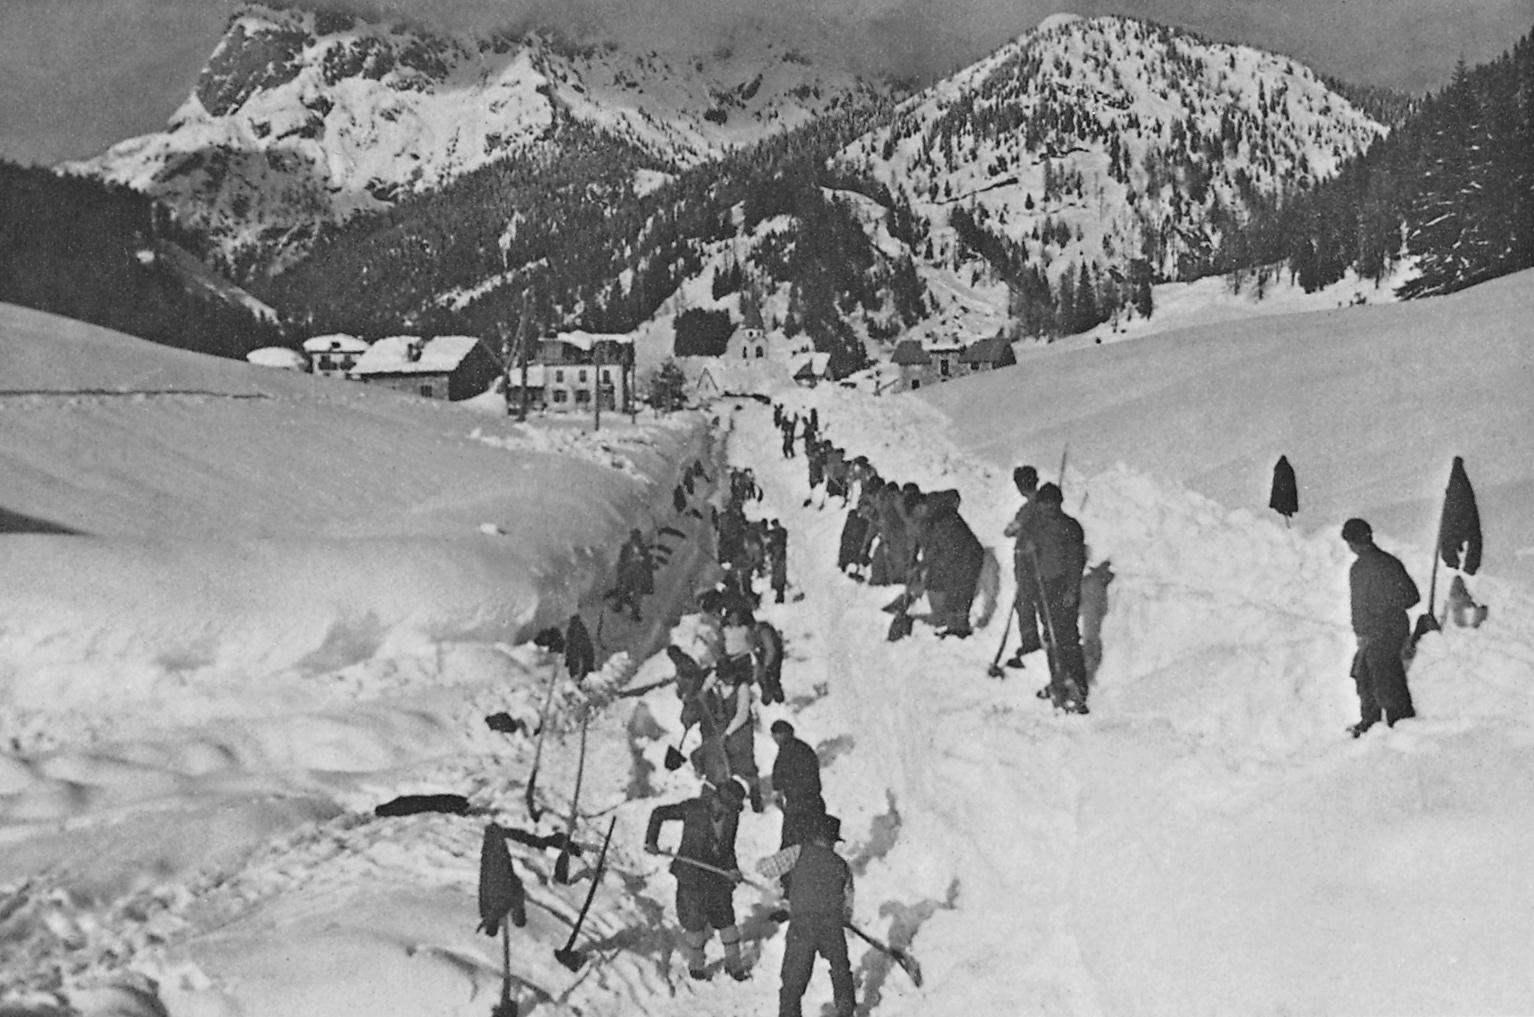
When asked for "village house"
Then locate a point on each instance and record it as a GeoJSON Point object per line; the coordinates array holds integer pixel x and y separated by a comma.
{"type": "Point", "coordinates": [748, 344]}
{"type": "Point", "coordinates": [578, 365]}
{"type": "Point", "coordinates": [918, 365]}
{"type": "Point", "coordinates": [987, 355]}
{"type": "Point", "coordinates": [449, 367]}
{"type": "Point", "coordinates": [334, 356]}
{"type": "Point", "coordinates": [914, 364]}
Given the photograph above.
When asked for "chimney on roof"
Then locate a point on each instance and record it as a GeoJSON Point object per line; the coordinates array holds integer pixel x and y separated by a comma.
{"type": "Point", "coordinates": [413, 350]}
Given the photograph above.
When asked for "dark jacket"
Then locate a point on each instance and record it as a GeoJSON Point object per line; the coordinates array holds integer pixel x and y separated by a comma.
{"type": "Point", "coordinates": [699, 841]}
{"type": "Point", "coordinates": [951, 554]}
{"type": "Point", "coordinates": [821, 887]}
{"type": "Point", "coordinates": [796, 773]}
{"type": "Point", "coordinates": [1381, 593]}
{"type": "Point", "coordinates": [636, 570]}
{"type": "Point", "coordinates": [1059, 543]}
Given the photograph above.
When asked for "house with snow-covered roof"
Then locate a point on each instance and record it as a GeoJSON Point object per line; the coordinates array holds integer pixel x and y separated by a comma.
{"type": "Point", "coordinates": [579, 367]}
{"type": "Point", "coordinates": [913, 363]}
{"type": "Point", "coordinates": [987, 355]}
{"type": "Point", "coordinates": [334, 355]}
{"type": "Point", "coordinates": [447, 367]}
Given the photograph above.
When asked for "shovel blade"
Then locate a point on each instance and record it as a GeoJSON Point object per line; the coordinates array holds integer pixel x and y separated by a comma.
{"type": "Point", "coordinates": [562, 867]}
{"type": "Point", "coordinates": [570, 959]}
{"type": "Point", "coordinates": [674, 758]}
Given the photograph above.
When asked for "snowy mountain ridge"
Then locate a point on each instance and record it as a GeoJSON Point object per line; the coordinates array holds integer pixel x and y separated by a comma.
{"type": "Point", "coordinates": [1095, 144]}
{"type": "Point", "coordinates": [304, 117]}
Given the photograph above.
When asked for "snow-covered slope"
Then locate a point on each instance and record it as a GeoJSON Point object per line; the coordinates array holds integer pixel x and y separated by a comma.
{"type": "Point", "coordinates": [223, 516]}
{"type": "Point", "coordinates": [1208, 841]}
{"type": "Point", "coordinates": [302, 117]}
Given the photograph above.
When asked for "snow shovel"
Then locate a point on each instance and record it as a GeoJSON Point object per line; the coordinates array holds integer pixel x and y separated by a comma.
{"type": "Point", "coordinates": [568, 955]}
{"type": "Point", "coordinates": [507, 1007]}
{"type": "Point", "coordinates": [716, 870]}
{"type": "Point", "coordinates": [562, 863]}
{"type": "Point", "coordinates": [533, 811]}
{"type": "Point", "coordinates": [995, 670]}
{"type": "Point", "coordinates": [674, 757]}
{"type": "Point", "coordinates": [905, 960]}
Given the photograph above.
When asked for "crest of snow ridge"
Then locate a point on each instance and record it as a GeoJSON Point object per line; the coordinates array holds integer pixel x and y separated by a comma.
{"type": "Point", "coordinates": [1109, 139]}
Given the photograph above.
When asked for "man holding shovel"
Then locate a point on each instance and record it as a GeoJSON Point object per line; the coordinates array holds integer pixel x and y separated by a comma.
{"type": "Point", "coordinates": [820, 910]}
{"type": "Point", "coordinates": [706, 872]}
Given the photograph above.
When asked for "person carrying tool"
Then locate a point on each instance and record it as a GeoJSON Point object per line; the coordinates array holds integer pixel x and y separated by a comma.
{"type": "Point", "coordinates": [706, 873]}
{"type": "Point", "coordinates": [820, 899]}
{"type": "Point", "coordinates": [1026, 604]}
{"type": "Point", "coordinates": [1056, 548]}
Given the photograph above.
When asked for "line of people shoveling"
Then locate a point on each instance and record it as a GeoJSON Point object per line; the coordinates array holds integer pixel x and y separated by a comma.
{"type": "Point", "coordinates": [898, 535]}
{"type": "Point", "coordinates": [717, 690]}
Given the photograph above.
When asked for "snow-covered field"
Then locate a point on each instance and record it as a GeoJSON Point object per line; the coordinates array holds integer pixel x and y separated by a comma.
{"type": "Point", "coordinates": [286, 601]}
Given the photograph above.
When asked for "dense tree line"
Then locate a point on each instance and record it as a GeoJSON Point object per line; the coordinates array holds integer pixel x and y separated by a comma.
{"type": "Point", "coordinates": [1452, 186]}
{"type": "Point", "coordinates": [553, 227]}
{"type": "Point", "coordinates": [96, 252]}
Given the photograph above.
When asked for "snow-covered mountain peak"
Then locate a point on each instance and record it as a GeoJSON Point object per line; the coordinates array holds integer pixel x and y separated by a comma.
{"type": "Point", "coordinates": [303, 117]}
{"type": "Point", "coordinates": [1092, 144]}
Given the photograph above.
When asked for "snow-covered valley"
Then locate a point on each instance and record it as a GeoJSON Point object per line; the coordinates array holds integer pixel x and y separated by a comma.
{"type": "Point", "coordinates": [243, 609]}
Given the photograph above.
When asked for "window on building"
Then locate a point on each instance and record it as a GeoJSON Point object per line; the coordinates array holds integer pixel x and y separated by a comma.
{"type": "Point", "coordinates": [561, 396]}
{"type": "Point", "coordinates": [760, 352]}
{"type": "Point", "coordinates": [583, 376]}
{"type": "Point", "coordinates": [426, 390]}
{"type": "Point", "coordinates": [916, 383]}
{"type": "Point", "coordinates": [942, 367]}
{"type": "Point", "coordinates": [559, 376]}
{"type": "Point", "coordinates": [582, 395]}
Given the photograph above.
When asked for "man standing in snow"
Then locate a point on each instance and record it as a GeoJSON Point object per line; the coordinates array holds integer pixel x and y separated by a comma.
{"type": "Point", "coordinates": [636, 574]}
{"type": "Point", "coordinates": [1381, 592]}
{"type": "Point", "coordinates": [949, 560]}
{"type": "Point", "coordinates": [705, 898]}
{"type": "Point", "coordinates": [777, 554]}
{"type": "Point", "coordinates": [796, 784]}
{"type": "Point", "coordinates": [820, 909]}
{"type": "Point", "coordinates": [1056, 548]}
{"type": "Point", "coordinates": [1027, 480]}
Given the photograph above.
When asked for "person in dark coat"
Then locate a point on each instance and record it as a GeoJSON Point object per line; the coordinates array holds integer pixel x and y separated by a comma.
{"type": "Point", "coordinates": [796, 784]}
{"type": "Point", "coordinates": [950, 557]}
{"type": "Point", "coordinates": [820, 899]}
{"type": "Point", "coordinates": [1057, 549]}
{"type": "Point", "coordinates": [1381, 591]}
{"type": "Point", "coordinates": [1027, 600]}
{"type": "Point", "coordinates": [849, 553]}
{"type": "Point", "coordinates": [580, 654]}
{"type": "Point", "coordinates": [705, 899]}
{"type": "Point", "coordinates": [777, 553]}
{"type": "Point", "coordinates": [636, 574]}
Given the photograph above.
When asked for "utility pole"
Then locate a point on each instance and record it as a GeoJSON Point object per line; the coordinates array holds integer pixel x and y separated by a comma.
{"type": "Point", "coordinates": [596, 350]}
{"type": "Point", "coordinates": [524, 334]}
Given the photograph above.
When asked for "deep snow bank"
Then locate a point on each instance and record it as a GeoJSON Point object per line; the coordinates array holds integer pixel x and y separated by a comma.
{"type": "Point", "coordinates": [220, 523]}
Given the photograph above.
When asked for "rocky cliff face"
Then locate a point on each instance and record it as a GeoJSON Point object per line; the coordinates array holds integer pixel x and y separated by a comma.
{"type": "Point", "coordinates": [301, 118]}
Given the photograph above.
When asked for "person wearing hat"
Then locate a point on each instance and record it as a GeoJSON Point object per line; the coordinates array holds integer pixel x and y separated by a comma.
{"type": "Point", "coordinates": [820, 899]}
{"type": "Point", "coordinates": [706, 872]}
{"type": "Point", "coordinates": [1056, 548]}
{"type": "Point", "coordinates": [1026, 478]}
{"type": "Point", "coordinates": [1380, 592]}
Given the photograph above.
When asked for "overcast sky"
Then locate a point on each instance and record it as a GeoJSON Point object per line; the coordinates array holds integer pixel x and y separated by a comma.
{"type": "Point", "coordinates": [78, 75]}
